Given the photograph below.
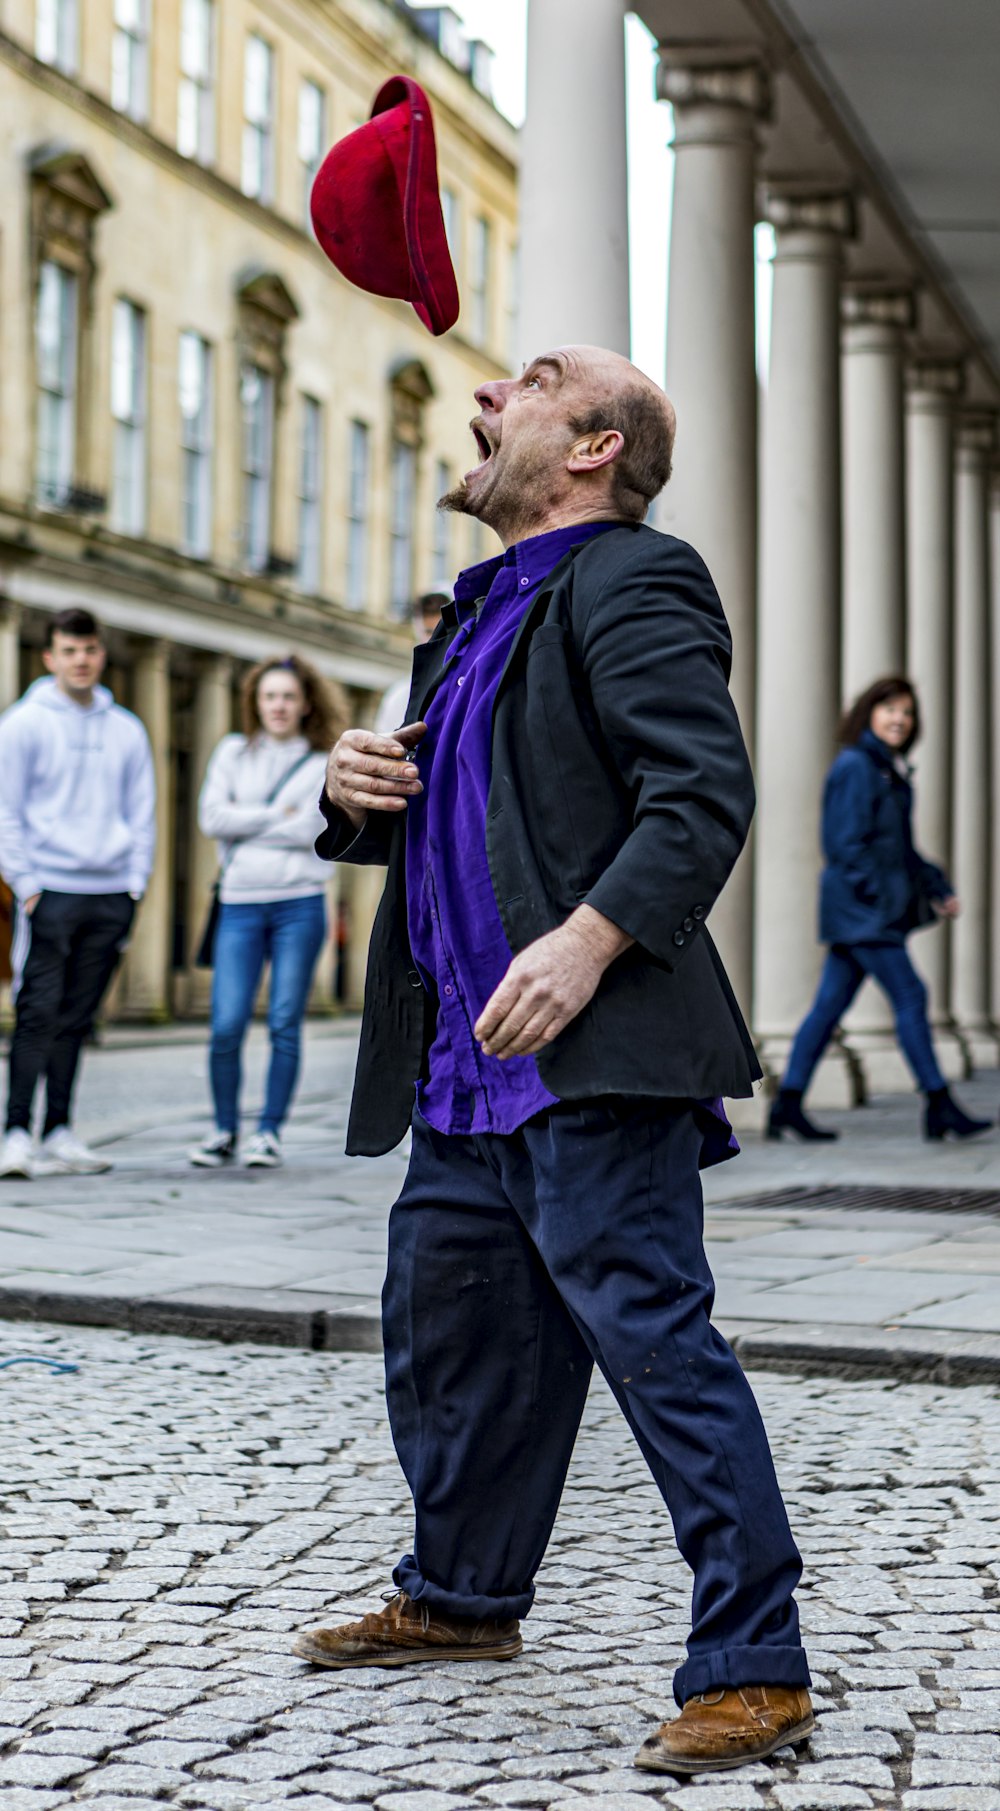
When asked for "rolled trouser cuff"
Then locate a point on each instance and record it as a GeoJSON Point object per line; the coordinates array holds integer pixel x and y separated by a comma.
{"type": "Point", "coordinates": [725, 1669]}
{"type": "Point", "coordinates": [478, 1607]}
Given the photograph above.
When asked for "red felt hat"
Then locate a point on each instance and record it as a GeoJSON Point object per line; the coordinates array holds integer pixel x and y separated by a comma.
{"type": "Point", "coordinates": [377, 211]}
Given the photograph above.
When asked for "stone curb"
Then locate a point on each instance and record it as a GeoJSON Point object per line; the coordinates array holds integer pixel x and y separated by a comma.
{"type": "Point", "coordinates": [326, 1323]}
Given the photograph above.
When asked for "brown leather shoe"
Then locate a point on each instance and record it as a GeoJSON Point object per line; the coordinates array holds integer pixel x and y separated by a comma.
{"type": "Point", "coordinates": [405, 1631]}
{"type": "Point", "coordinates": [728, 1728]}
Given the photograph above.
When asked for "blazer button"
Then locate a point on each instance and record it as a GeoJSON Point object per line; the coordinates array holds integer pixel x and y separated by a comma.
{"type": "Point", "coordinates": [698, 913]}
{"type": "Point", "coordinates": [413, 978]}
{"type": "Point", "coordinates": [679, 938]}
{"type": "Point", "coordinates": [689, 924]}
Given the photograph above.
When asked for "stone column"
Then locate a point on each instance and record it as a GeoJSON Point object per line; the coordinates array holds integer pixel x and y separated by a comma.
{"type": "Point", "coordinates": [970, 981]}
{"type": "Point", "coordinates": [798, 646]}
{"type": "Point", "coordinates": [994, 504]}
{"type": "Point", "coordinates": [10, 652]}
{"type": "Point", "coordinates": [146, 986]}
{"type": "Point", "coordinates": [874, 319]}
{"type": "Point", "coordinates": [712, 380]}
{"type": "Point", "coordinates": [932, 386]}
{"type": "Point", "coordinates": [574, 192]}
{"type": "Point", "coordinates": [213, 719]}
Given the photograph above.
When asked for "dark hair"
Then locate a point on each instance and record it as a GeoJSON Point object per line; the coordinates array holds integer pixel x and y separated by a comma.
{"type": "Point", "coordinates": [857, 717]}
{"type": "Point", "coordinates": [643, 465]}
{"type": "Point", "coordinates": [73, 622]}
{"type": "Point", "coordinates": [430, 602]}
{"type": "Point", "coordinates": [326, 712]}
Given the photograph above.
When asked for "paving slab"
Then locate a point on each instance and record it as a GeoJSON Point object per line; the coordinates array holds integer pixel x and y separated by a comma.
{"type": "Point", "coordinates": [296, 1256]}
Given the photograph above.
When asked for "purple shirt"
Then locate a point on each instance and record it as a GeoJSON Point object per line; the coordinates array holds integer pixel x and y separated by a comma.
{"type": "Point", "coordinates": [456, 933]}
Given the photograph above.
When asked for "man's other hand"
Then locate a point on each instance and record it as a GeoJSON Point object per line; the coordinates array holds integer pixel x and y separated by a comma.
{"type": "Point", "coordinates": [366, 772]}
{"type": "Point", "coordinates": [548, 984]}
{"type": "Point", "coordinates": [30, 904]}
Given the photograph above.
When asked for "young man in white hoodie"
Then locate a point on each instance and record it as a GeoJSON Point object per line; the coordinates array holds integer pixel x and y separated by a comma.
{"type": "Point", "coordinates": [77, 836]}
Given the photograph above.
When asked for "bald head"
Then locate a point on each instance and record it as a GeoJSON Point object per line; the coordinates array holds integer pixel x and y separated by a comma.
{"type": "Point", "coordinates": [581, 436]}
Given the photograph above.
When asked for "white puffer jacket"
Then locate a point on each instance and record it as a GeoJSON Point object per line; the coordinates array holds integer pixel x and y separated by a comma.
{"type": "Point", "coordinates": [266, 850]}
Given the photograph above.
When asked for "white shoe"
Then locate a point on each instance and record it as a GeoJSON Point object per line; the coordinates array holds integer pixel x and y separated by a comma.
{"type": "Point", "coordinates": [62, 1153]}
{"type": "Point", "coordinates": [17, 1156]}
{"type": "Point", "coordinates": [214, 1152]}
{"type": "Point", "coordinates": [264, 1152]}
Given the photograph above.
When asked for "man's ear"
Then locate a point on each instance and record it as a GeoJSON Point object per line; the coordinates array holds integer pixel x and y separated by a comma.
{"type": "Point", "coordinates": [595, 451]}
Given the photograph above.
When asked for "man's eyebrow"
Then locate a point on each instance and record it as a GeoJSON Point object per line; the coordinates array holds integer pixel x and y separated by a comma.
{"type": "Point", "coordinates": [546, 364]}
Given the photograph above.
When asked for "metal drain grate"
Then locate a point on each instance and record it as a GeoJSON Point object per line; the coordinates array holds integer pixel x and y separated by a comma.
{"type": "Point", "coordinates": [848, 1196]}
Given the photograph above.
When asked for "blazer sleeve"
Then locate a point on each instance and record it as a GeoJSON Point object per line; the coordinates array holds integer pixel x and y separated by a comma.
{"type": "Point", "coordinates": [849, 824]}
{"type": "Point", "coordinates": [365, 848]}
{"type": "Point", "coordinates": [656, 653]}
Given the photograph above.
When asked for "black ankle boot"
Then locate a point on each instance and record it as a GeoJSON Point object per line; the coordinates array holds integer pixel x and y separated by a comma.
{"type": "Point", "coordinates": [943, 1117]}
{"type": "Point", "coordinates": [787, 1116]}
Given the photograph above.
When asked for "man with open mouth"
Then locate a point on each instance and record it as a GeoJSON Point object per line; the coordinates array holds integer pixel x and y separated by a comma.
{"type": "Point", "coordinates": [558, 815]}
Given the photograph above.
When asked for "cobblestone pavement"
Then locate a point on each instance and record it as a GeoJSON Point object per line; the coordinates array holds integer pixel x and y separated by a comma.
{"type": "Point", "coordinates": [173, 1511]}
{"type": "Point", "coordinates": [299, 1253]}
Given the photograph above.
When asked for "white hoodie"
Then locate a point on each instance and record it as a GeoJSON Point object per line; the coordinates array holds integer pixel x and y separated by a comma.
{"type": "Point", "coordinates": [266, 851]}
{"type": "Point", "coordinates": [77, 795]}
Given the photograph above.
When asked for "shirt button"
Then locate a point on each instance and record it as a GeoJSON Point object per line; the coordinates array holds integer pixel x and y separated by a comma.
{"type": "Point", "coordinates": [523, 583]}
{"type": "Point", "coordinates": [449, 990]}
{"type": "Point", "coordinates": [461, 679]}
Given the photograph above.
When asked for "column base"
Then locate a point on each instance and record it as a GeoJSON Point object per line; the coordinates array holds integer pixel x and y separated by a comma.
{"type": "Point", "coordinates": [882, 1064]}
{"type": "Point", "coordinates": [982, 1045]}
{"type": "Point", "coordinates": [952, 1053]}
{"type": "Point", "coordinates": [839, 1081]}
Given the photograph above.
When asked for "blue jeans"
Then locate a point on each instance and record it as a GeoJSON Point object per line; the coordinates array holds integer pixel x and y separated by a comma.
{"type": "Point", "coordinates": [289, 934]}
{"type": "Point", "coordinates": [517, 1262]}
{"type": "Point", "coordinates": [846, 968]}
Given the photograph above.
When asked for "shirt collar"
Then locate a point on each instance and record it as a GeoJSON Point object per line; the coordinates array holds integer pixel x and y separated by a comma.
{"type": "Point", "coordinates": [532, 559]}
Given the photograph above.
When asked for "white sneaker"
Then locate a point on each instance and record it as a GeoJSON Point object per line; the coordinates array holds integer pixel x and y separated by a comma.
{"type": "Point", "coordinates": [214, 1152]}
{"type": "Point", "coordinates": [62, 1153]}
{"type": "Point", "coordinates": [264, 1152]}
{"type": "Point", "coordinates": [17, 1155]}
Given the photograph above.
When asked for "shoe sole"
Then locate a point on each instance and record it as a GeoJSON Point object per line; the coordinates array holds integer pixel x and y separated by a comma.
{"type": "Point", "coordinates": [17, 1173]}
{"type": "Point", "coordinates": [790, 1738]}
{"type": "Point", "coordinates": [211, 1163]}
{"type": "Point", "coordinates": [263, 1163]}
{"type": "Point", "coordinates": [53, 1166]}
{"type": "Point", "coordinates": [304, 1650]}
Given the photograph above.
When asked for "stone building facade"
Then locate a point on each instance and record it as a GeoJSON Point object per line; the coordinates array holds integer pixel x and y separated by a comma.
{"type": "Point", "coordinates": [207, 437]}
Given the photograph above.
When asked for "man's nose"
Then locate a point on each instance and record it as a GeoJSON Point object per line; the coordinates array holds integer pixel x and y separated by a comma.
{"type": "Point", "coordinates": [493, 396]}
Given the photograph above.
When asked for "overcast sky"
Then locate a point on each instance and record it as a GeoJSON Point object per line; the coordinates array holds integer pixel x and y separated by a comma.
{"type": "Point", "coordinates": [502, 25]}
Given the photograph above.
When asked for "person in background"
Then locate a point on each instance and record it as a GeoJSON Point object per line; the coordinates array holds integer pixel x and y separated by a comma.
{"type": "Point", "coordinates": [260, 800]}
{"type": "Point", "coordinates": [426, 614]}
{"type": "Point", "coordinates": [77, 836]}
{"type": "Point", "coordinates": [874, 891]}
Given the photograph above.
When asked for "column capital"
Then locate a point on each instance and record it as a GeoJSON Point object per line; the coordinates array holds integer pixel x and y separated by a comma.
{"type": "Point", "coordinates": [801, 206]}
{"type": "Point", "coordinates": [868, 303]}
{"type": "Point", "coordinates": [731, 77]}
{"type": "Point", "coordinates": [975, 435]}
{"type": "Point", "coordinates": [935, 374]}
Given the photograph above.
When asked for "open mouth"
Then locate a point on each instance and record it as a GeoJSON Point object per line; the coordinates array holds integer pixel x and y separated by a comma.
{"type": "Point", "coordinates": [484, 448]}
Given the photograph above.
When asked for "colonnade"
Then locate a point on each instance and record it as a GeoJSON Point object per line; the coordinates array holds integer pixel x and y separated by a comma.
{"type": "Point", "coordinates": [848, 532]}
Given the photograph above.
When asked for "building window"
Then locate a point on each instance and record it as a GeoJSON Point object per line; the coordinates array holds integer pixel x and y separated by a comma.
{"type": "Point", "coordinates": [194, 389]}
{"type": "Point", "coordinates": [310, 499]}
{"type": "Point", "coordinates": [449, 212]}
{"type": "Point", "coordinates": [130, 58]}
{"type": "Point", "coordinates": [56, 33]}
{"type": "Point", "coordinates": [479, 286]}
{"type": "Point", "coordinates": [402, 500]}
{"type": "Point", "coordinates": [257, 407]}
{"type": "Point", "coordinates": [258, 120]}
{"type": "Point", "coordinates": [312, 138]}
{"type": "Point", "coordinates": [128, 409]}
{"type": "Point", "coordinates": [195, 94]}
{"type": "Point", "coordinates": [55, 355]}
{"type": "Point", "coordinates": [441, 573]}
{"type": "Point", "coordinates": [357, 516]}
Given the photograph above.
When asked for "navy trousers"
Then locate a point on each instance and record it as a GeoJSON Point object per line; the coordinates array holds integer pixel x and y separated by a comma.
{"type": "Point", "coordinates": [515, 1264]}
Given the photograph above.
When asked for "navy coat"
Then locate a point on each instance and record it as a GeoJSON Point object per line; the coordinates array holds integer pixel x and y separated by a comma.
{"type": "Point", "coordinates": [875, 887]}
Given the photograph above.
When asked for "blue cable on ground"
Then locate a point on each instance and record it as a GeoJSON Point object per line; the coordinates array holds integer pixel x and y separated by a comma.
{"type": "Point", "coordinates": [54, 1364]}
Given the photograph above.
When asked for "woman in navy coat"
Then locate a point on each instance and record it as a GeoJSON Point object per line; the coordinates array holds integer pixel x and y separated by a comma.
{"type": "Point", "coordinates": [875, 890]}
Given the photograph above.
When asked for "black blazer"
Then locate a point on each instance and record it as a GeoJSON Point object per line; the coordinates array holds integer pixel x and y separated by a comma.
{"type": "Point", "coordinates": [619, 777]}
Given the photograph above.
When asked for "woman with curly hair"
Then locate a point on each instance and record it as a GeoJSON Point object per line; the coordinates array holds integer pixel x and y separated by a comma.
{"type": "Point", "coordinates": [875, 890]}
{"type": "Point", "coordinates": [260, 800]}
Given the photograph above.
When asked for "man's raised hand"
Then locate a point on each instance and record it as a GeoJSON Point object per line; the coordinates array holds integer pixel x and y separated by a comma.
{"type": "Point", "coordinates": [366, 772]}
